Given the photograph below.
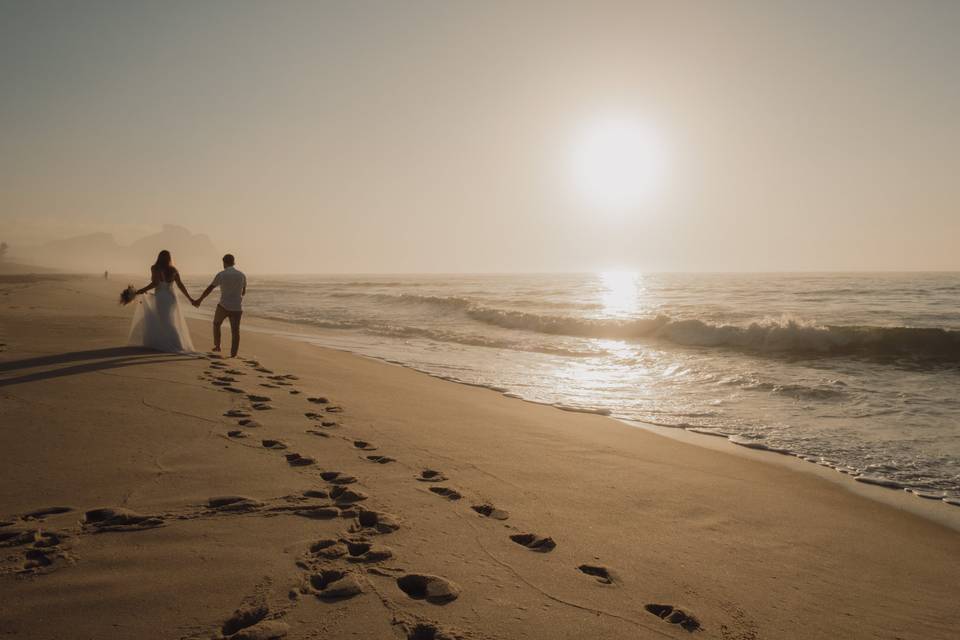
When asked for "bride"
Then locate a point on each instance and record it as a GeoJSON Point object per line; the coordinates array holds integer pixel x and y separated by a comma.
{"type": "Point", "coordinates": [158, 321]}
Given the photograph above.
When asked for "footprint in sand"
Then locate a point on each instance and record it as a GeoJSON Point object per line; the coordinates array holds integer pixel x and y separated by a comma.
{"type": "Point", "coordinates": [261, 406]}
{"type": "Point", "coordinates": [314, 432]}
{"type": "Point", "coordinates": [343, 495]}
{"type": "Point", "coordinates": [47, 539]}
{"type": "Point", "coordinates": [235, 372]}
{"type": "Point", "coordinates": [374, 522]}
{"type": "Point", "coordinates": [534, 542]}
{"type": "Point", "coordinates": [602, 574]}
{"type": "Point", "coordinates": [673, 615]}
{"type": "Point", "coordinates": [218, 383]}
{"type": "Point", "coordinates": [252, 397]}
{"type": "Point", "coordinates": [236, 413]}
{"type": "Point", "coordinates": [267, 385]}
{"type": "Point", "coordinates": [39, 560]}
{"type": "Point", "coordinates": [367, 552]}
{"type": "Point", "coordinates": [358, 551]}
{"type": "Point", "coordinates": [119, 519]}
{"type": "Point", "coordinates": [433, 589]}
{"type": "Point", "coordinates": [44, 553]}
{"type": "Point", "coordinates": [431, 475]}
{"type": "Point", "coordinates": [249, 423]}
{"type": "Point", "coordinates": [318, 400]}
{"type": "Point", "coordinates": [297, 460]}
{"type": "Point", "coordinates": [490, 511]}
{"type": "Point", "coordinates": [334, 409]}
{"type": "Point", "coordinates": [294, 392]}
{"type": "Point", "coordinates": [236, 433]}
{"type": "Point", "coordinates": [430, 631]}
{"type": "Point", "coordinates": [17, 537]}
{"type": "Point", "coordinates": [337, 477]}
{"type": "Point", "coordinates": [233, 390]}
{"type": "Point", "coordinates": [381, 459]}
{"type": "Point", "coordinates": [446, 492]}
{"type": "Point", "coordinates": [364, 445]}
{"type": "Point", "coordinates": [243, 618]}
{"type": "Point", "coordinates": [273, 444]}
{"type": "Point", "coordinates": [328, 548]}
{"type": "Point", "coordinates": [333, 584]}
{"type": "Point", "coordinates": [321, 418]}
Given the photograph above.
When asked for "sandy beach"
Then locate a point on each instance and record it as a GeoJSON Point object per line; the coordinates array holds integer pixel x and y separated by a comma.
{"type": "Point", "coordinates": [302, 492]}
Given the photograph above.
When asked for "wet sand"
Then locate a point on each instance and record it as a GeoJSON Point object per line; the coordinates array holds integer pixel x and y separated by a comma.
{"type": "Point", "coordinates": [301, 492]}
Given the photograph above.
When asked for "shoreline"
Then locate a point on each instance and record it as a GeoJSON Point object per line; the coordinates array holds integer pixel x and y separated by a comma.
{"type": "Point", "coordinates": [938, 511]}
{"type": "Point", "coordinates": [213, 513]}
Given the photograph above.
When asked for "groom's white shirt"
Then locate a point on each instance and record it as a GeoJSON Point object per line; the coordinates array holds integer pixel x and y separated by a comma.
{"type": "Point", "coordinates": [232, 282]}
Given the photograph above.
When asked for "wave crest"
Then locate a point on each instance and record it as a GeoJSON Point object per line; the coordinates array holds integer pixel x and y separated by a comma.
{"type": "Point", "coordinates": [768, 336]}
{"type": "Point", "coordinates": [772, 335]}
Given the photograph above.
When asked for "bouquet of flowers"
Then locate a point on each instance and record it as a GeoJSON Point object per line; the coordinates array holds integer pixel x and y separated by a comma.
{"type": "Point", "coordinates": [127, 295]}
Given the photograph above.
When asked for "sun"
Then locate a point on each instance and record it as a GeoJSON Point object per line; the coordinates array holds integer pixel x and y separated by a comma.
{"type": "Point", "coordinates": [616, 163]}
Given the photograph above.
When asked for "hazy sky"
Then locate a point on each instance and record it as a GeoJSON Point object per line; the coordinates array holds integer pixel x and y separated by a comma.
{"type": "Point", "coordinates": [409, 136]}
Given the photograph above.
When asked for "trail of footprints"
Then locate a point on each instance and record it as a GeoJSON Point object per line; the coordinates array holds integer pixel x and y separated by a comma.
{"type": "Point", "coordinates": [334, 568]}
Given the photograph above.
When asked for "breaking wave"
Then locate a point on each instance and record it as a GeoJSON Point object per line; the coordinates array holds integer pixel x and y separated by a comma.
{"type": "Point", "coordinates": [778, 336]}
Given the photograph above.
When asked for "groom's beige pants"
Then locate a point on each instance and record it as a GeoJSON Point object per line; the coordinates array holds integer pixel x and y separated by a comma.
{"type": "Point", "coordinates": [218, 318]}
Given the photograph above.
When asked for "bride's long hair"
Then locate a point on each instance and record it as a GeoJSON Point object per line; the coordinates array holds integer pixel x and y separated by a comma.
{"type": "Point", "coordinates": [164, 264]}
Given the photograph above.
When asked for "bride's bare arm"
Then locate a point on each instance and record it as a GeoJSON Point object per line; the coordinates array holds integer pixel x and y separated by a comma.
{"type": "Point", "coordinates": [155, 277]}
{"type": "Point", "coordinates": [176, 277]}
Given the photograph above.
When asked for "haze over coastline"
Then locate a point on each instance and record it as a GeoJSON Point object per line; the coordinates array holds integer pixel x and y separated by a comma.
{"type": "Point", "coordinates": [95, 252]}
{"type": "Point", "coordinates": [438, 136]}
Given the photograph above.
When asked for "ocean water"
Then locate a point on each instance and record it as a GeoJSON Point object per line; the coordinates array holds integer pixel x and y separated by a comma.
{"type": "Point", "coordinates": [859, 372]}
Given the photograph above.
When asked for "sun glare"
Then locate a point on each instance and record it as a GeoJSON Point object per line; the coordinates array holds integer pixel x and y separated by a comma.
{"type": "Point", "coordinates": [617, 163]}
{"type": "Point", "coordinates": [620, 292]}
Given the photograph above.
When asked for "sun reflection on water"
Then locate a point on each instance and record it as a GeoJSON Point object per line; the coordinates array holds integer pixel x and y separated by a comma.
{"type": "Point", "coordinates": [620, 293]}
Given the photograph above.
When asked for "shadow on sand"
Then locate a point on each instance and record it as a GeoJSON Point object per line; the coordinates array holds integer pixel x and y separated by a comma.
{"type": "Point", "coordinates": [90, 360]}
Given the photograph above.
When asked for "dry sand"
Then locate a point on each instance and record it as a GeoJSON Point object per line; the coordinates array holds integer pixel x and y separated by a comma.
{"type": "Point", "coordinates": [619, 518]}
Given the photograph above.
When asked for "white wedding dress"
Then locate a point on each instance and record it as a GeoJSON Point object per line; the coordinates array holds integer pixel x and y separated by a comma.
{"type": "Point", "coordinates": [158, 322]}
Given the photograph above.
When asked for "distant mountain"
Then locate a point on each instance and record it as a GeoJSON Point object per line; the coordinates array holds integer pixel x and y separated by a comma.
{"type": "Point", "coordinates": [96, 252]}
{"type": "Point", "coordinates": [191, 253]}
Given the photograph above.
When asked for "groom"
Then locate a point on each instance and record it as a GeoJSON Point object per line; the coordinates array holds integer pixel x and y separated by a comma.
{"type": "Point", "coordinates": [233, 286]}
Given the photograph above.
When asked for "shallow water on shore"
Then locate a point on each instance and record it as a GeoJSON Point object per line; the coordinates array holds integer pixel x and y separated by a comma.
{"type": "Point", "coordinates": [854, 371]}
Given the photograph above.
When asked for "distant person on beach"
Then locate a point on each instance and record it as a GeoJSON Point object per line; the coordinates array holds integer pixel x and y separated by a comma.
{"type": "Point", "coordinates": [233, 286]}
{"type": "Point", "coordinates": [158, 321]}
{"type": "Point", "coordinates": [106, 275]}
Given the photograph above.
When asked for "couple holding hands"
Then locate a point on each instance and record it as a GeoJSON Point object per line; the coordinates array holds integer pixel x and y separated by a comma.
{"type": "Point", "coordinates": [158, 322]}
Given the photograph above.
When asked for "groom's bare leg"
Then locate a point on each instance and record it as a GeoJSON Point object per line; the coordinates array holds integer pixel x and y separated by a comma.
{"type": "Point", "coordinates": [234, 332]}
{"type": "Point", "coordinates": [218, 317]}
